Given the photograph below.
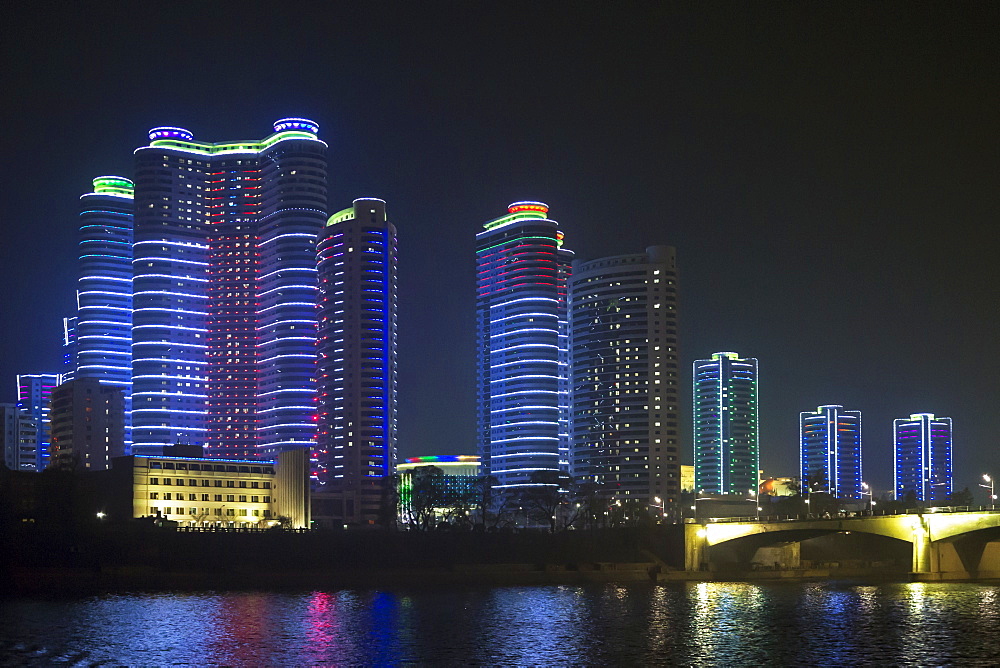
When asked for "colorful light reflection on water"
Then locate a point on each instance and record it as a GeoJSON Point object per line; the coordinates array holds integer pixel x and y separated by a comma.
{"type": "Point", "coordinates": [731, 624]}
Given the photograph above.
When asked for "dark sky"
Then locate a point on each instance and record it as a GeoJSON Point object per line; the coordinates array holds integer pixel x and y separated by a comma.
{"type": "Point", "coordinates": [828, 173]}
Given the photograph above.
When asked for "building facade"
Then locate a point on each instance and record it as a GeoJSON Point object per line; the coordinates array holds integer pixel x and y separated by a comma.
{"type": "Point", "coordinates": [100, 337]}
{"type": "Point", "coordinates": [69, 346]}
{"type": "Point", "coordinates": [624, 373]}
{"type": "Point", "coordinates": [830, 451]}
{"type": "Point", "coordinates": [923, 457]}
{"type": "Point", "coordinates": [18, 439]}
{"type": "Point", "coordinates": [224, 291]}
{"type": "Point", "coordinates": [88, 425]}
{"type": "Point", "coordinates": [726, 435]}
{"type": "Point", "coordinates": [34, 394]}
{"type": "Point", "coordinates": [452, 494]}
{"type": "Point", "coordinates": [522, 354]}
{"type": "Point", "coordinates": [226, 493]}
{"type": "Point", "coordinates": [356, 450]}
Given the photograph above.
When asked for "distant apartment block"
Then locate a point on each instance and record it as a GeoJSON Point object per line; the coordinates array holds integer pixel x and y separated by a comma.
{"type": "Point", "coordinates": [18, 439]}
{"type": "Point", "coordinates": [88, 424]}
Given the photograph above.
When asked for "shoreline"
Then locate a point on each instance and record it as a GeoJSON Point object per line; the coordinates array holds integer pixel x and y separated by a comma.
{"type": "Point", "coordinates": [74, 581]}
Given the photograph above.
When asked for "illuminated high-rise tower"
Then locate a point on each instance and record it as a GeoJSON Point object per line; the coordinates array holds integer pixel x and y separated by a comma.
{"type": "Point", "coordinates": [522, 346]}
{"type": "Point", "coordinates": [726, 438]}
{"type": "Point", "coordinates": [923, 457]}
{"type": "Point", "coordinates": [224, 321]}
{"type": "Point", "coordinates": [830, 451]}
{"type": "Point", "coordinates": [356, 450]}
{"type": "Point", "coordinates": [623, 314]}
{"type": "Point", "coordinates": [100, 337]}
{"type": "Point", "coordinates": [34, 394]}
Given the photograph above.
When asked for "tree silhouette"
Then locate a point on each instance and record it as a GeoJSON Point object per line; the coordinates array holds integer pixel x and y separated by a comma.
{"type": "Point", "coordinates": [962, 498]}
{"type": "Point", "coordinates": [548, 492]}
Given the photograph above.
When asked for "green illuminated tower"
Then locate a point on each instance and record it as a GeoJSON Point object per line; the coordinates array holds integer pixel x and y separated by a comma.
{"type": "Point", "coordinates": [726, 435]}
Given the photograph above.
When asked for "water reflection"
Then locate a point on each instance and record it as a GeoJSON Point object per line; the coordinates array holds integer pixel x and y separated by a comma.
{"type": "Point", "coordinates": [730, 624]}
{"type": "Point", "coordinates": [725, 623]}
{"type": "Point", "coordinates": [534, 626]}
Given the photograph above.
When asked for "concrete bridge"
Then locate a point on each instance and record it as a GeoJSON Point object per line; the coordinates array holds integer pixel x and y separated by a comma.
{"type": "Point", "coordinates": [946, 544]}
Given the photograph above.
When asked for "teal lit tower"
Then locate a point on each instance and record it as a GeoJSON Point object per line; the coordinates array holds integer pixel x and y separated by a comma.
{"type": "Point", "coordinates": [726, 434]}
{"type": "Point", "coordinates": [99, 339]}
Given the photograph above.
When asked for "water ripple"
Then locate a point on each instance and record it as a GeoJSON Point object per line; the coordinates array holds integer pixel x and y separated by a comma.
{"type": "Point", "coordinates": [697, 624]}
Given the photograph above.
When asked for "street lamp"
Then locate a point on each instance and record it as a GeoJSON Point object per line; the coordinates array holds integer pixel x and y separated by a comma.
{"type": "Point", "coordinates": [659, 503]}
{"type": "Point", "coordinates": [993, 497]}
{"type": "Point", "coordinates": [755, 493]}
{"type": "Point", "coordinates": [934, 492]}
{"type": "Point", "coordinates": [865, 489]}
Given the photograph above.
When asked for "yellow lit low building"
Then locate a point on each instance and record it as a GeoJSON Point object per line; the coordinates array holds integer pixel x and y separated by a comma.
{"type": "Point", "coordinates": [208, 492]}
{"type": "Point", "coordinates": [687, 478]}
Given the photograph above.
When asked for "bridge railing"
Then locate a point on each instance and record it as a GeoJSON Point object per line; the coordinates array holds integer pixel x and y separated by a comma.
{"type": "Point", "coordinates": [847, 515]}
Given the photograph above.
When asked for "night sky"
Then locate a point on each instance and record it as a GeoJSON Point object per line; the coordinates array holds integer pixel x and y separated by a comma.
{"type": "Point", "coordinates": [828, 173]}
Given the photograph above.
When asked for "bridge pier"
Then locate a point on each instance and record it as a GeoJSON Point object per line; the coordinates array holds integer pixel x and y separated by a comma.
{"type": "Point", "coordinates": [925, 555]}
{"type": "Point", "coordinates": [695, 547]}
{"type": "Point", "coordinates": [782, 556]}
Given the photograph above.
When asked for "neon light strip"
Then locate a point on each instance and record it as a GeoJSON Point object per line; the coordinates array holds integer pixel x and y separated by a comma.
{"type": "Point", "coordinates": [515, 378]}
{"type": "Point", "coordinates": [523, 392]}
{"type": "Point", "coordinates": [179, 327]}
{"type": "Point", "coordinates": [523, 345]}
{"type": "Point", "coordinates": [516, 332]}
{"type": "Point", "coordinates": [524, 299]}
{"type": "Point", "coordinates": [199, 148]}
{"type": "Point", "coordinates": [172, 277]}
{"type": "Point", "coordinates": [164, 242]}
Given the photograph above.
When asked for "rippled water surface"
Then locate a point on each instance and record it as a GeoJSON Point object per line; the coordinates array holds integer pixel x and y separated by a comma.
{"type": "Point", "coordinates": [718, 624]}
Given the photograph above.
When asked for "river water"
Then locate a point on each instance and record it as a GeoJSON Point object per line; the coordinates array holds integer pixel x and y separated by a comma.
{"type": "Point", "coordinates": [703, 624]}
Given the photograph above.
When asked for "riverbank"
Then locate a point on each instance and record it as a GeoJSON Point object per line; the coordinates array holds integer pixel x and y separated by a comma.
{"type": "Point", "coordinates": [58, 581]}
{"type": "Point", "coordinates": [35, 561]}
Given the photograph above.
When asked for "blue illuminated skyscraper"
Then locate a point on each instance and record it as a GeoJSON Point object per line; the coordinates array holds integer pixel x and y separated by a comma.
{"type": "Point", "coordinates": [923, 457]}
{"type": "Point", "coordinates": [100, 339]}
{"type": "Point", "coordinates": [522, 346]}
{"type": "Point", "coordinates": [726, 436]}
{"type": "Point", "coordinates": [224, 321]}
{"type": "Point", "coordinates": [356, 450]}
{"type": "Point", "coordinates": [830, 451]}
